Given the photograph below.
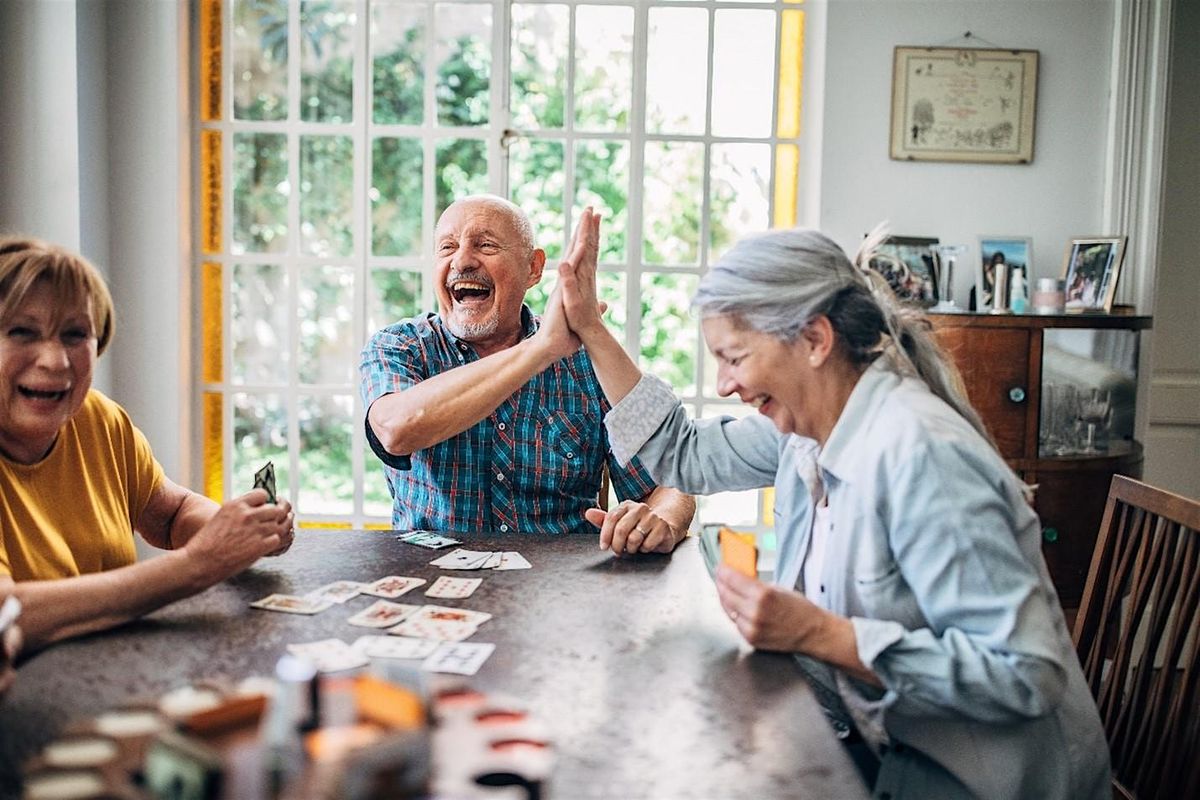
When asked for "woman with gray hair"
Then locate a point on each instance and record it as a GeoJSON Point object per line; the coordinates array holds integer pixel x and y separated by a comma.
{"type": "Point", "coordinates": [910, 582]}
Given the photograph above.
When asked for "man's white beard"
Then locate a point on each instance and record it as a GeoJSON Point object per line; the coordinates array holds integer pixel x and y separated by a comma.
{"type": "Point", "coordinates": [471, 332]}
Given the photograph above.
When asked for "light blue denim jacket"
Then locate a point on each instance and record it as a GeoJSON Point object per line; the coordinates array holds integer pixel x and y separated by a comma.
{"type": "Point", "coordinates": [934, 555]}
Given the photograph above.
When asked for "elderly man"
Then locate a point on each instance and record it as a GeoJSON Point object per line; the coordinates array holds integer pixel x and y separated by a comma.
{"type": "Point", "coordinates": [483, 423]}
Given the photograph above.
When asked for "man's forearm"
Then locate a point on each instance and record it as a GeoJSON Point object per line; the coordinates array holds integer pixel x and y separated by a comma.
{"type": "Point", "coordinates": [675, 507]}
{"type": "Point", "coordinates": [445, 405]}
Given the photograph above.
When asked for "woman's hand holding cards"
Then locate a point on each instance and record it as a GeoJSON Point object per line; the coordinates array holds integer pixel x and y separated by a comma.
{"type": "Point", "coordinates": [242, 531]}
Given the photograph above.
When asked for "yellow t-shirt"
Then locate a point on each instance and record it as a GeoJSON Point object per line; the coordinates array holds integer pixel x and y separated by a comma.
{"type": "Point", "coordinates": [74, 512]}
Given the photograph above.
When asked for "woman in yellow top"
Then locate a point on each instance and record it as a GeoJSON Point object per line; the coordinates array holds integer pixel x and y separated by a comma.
{"type": "Point", "coordinates": [77, 478]}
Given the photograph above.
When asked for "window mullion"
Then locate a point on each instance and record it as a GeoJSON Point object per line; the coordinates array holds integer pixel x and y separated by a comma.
{"type": "Point", "coordinates": [637, 150]}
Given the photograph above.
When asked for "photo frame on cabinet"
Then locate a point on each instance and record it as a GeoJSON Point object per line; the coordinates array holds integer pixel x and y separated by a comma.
{"type": "Point", "coordinates": [906, 263]}
{"type": "Point", "coordinates": [963, 104]}
{"type": "Point", "coordinates": [1015, 251]}
{"type": "Point", "coordinates": [1090, 271]}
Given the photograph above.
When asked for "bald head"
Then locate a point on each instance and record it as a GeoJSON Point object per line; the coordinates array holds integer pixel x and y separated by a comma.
{"type": "Point", "coordinates": [497, 205]}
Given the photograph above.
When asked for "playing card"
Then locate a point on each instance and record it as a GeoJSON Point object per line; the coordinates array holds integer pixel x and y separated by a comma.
{"type": "Point", "coordinates": [513, 560]}
{"type": "Point", "coordinates": [460, 658]}
{"type": "Point", "coordinates": [392, 586]}
{"type": "Point", "coordinates": [444, 630]}
{"type": "Point", "coordinates": [337, 592]}
{"type": "Point", "coordinates": [433, 541]}
{"type": "Point", "coordinates": [394, 647]}
{"type": "Point", "coordinates": [381, 614]}
{"type": "Point", "coordinates": [329, 655]}
{"type": "Point", "coordinates": [493, 560]}
{"type": "Point", "coordinates": [709, 549]}
{"type": "Point", "coordinates": [447, 614]}
{"type": "Point", "coordinates": [453, 588]}
{"type": "Point", "coordinates": [265, 479]}
{"type": "Point", "coordinates": [463, 559]}
{"type": "Point", "coordinates": [291, 604]}
{"type": "Point", "coordinates": [739, 552]}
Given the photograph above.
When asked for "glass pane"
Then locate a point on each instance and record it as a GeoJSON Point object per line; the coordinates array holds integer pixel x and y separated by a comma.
{"type": "Point", "coordinates": [326, 477]}
{"type": "Point", "coordinates": [463, 54]}
{"type": "Point", "coordinates": [377, 501]}
{"type": "Point", "coordinates": [395, 295]}
{"type": "Point", "coordinates": [260, 54]}
{"type": "Point", "coordinates": [539, 70]}
{"type": "Point", "coordinates": [669, 332]}
{"type": "Point", "coordinates": [259, 435]}
{"type": "Point", "coordinates": [328, 351]}
{"type": "Point", "coordinates": [327, 31]}
{"type": "Point", "coordinates": [671, 203]}
{"type": "Point", "coordinates": [602, 182]}
{"type": "Point", "coordinates": [398, 63]}
{"type": "Point", "coordinates": [677, 70]}
{"type": "Point", "coordinates": [603, 67]}
{"type": "Point", "coordinates": [259, 325]}
{"type": "Point", "coordinates": [461, 170]}
{"type": "Point", "coordinates": [397, 168]}
{"type": "Point", "coordinates": [260, 193]}
{"type": "Point", "coordinates": [535, 173]}
{"type": "Point", "coordinates": [610, 286]}
{"type": "Point", "coordinates": [326, 188]}
{"type": "Point", "coordinates": [743, 73]}
{"type": "Point", "coordinates": [739, 200]}
{"type": "Point", "coordinates": [736, 509]}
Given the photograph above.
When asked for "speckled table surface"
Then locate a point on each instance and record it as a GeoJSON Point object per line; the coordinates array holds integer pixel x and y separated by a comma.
{"type": "Point", "coordinates": [647, 688]}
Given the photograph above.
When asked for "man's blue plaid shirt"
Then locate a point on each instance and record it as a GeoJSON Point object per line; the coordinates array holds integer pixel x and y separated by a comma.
{"type": "Point", "coordinates": [532, 466]}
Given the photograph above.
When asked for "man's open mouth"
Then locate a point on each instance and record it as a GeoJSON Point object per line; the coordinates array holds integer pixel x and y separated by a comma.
{"type": "Point", "coordinates": [467, 291]}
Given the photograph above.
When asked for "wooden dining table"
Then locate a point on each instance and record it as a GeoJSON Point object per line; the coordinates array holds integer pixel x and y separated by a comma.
{"type": "Point", "coordinates": [645, 685]}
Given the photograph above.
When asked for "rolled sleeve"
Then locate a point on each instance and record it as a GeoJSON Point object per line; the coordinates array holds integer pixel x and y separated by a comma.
{"type": "Point", "coordinates": [640, 413]}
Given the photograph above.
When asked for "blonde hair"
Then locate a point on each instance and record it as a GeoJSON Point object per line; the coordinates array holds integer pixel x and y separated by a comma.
{"type": "Point", "coordinates": [25, 262]}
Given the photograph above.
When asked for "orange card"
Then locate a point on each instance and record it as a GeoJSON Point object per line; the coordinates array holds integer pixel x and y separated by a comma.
{"type": "Point", "coordinates": [739, 552]}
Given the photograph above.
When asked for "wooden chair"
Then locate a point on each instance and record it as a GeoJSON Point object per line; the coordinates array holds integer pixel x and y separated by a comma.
{"type": "Point", "coordinates": [1138, 640]}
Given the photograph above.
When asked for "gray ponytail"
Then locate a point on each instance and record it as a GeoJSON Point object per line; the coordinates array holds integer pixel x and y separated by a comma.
{"type": "Point", "coordinates": [777, 282]}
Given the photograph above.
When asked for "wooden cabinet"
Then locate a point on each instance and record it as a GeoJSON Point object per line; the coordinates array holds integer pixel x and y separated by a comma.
{"type": "Point", "coordinates": [1005, 361]}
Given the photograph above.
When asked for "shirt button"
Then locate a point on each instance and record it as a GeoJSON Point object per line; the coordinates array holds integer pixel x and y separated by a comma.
{"type": "Point", "coordinates": [504, 528]}
{"type": "Point", "coordinates": [499, 476]}
{"type": "Point", "coordinates": [502, 426]}
{"type": "Point", "coordinates": [569, 454]}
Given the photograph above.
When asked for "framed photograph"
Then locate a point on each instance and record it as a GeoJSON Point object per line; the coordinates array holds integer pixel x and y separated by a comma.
{"type": "Point", "coordinates": [1015, 251]}
{"type": "Point", "coordinates": [906, 262]}
{"type": "Point", "coordinates": [1090, 272]}
{"type": "Point", "coordinates": [951, 104]}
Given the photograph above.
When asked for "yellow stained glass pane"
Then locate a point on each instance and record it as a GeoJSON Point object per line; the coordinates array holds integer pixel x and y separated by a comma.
{"type": "Point", "coordinates": [210, 200]}
{"type": "Point", "coordinates": [787, 174]}
{"type": "Point", "coordinates": [768, 506]}
{"type": "Point", "coordinates": [211, 323]}
{"type": "Point", "coordinates": [377, 526]}
{"type": "Point", "coordinates": [214, 463]}
{"type": "Point", "coordinates": [210, 60]}
{"type": "Point", "coordinates": [791, 73]}
{"type": "Point", "coordinates": [333, 526]}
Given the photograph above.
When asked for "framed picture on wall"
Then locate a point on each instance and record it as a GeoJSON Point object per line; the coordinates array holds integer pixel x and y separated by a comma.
{"type": "Point", "coordinates": [1090, 272]}
{"type": "Point", "coordinates": [963, 104]}
{"type": "Point", "coordinates": [1016, 252]}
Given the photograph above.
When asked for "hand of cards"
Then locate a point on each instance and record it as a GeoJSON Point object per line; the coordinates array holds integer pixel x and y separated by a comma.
{"type": "Point", "coordinates": [481, 559]}
{"type": "Point", "coordinates": [265, 479]}
{"type": "Point", "coordinates": [721, 545]}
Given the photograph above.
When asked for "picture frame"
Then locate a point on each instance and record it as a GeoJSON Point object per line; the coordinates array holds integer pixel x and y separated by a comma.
{"type": "Point", "coordinates": [1090, 271]}
{"type": "Point", "coordinates": [963, 104]}
{"type": "Point", "coordinates": [906, 263]}
{"type": "Point", "coordinates": [1016, 251]}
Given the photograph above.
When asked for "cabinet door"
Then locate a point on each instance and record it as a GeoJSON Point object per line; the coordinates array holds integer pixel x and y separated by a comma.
{"type": "Point", "coordinates": [994, 363]}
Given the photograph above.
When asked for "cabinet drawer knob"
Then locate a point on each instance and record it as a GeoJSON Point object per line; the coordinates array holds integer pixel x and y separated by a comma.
{"type": "Point", "coordinates": [1050, 534]}
{"type": "Point", "coordinates": [1016, 394]}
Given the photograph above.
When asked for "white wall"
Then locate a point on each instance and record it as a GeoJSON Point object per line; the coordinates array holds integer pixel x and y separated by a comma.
{"type": "Point", "coordinates": [1058, 196]}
